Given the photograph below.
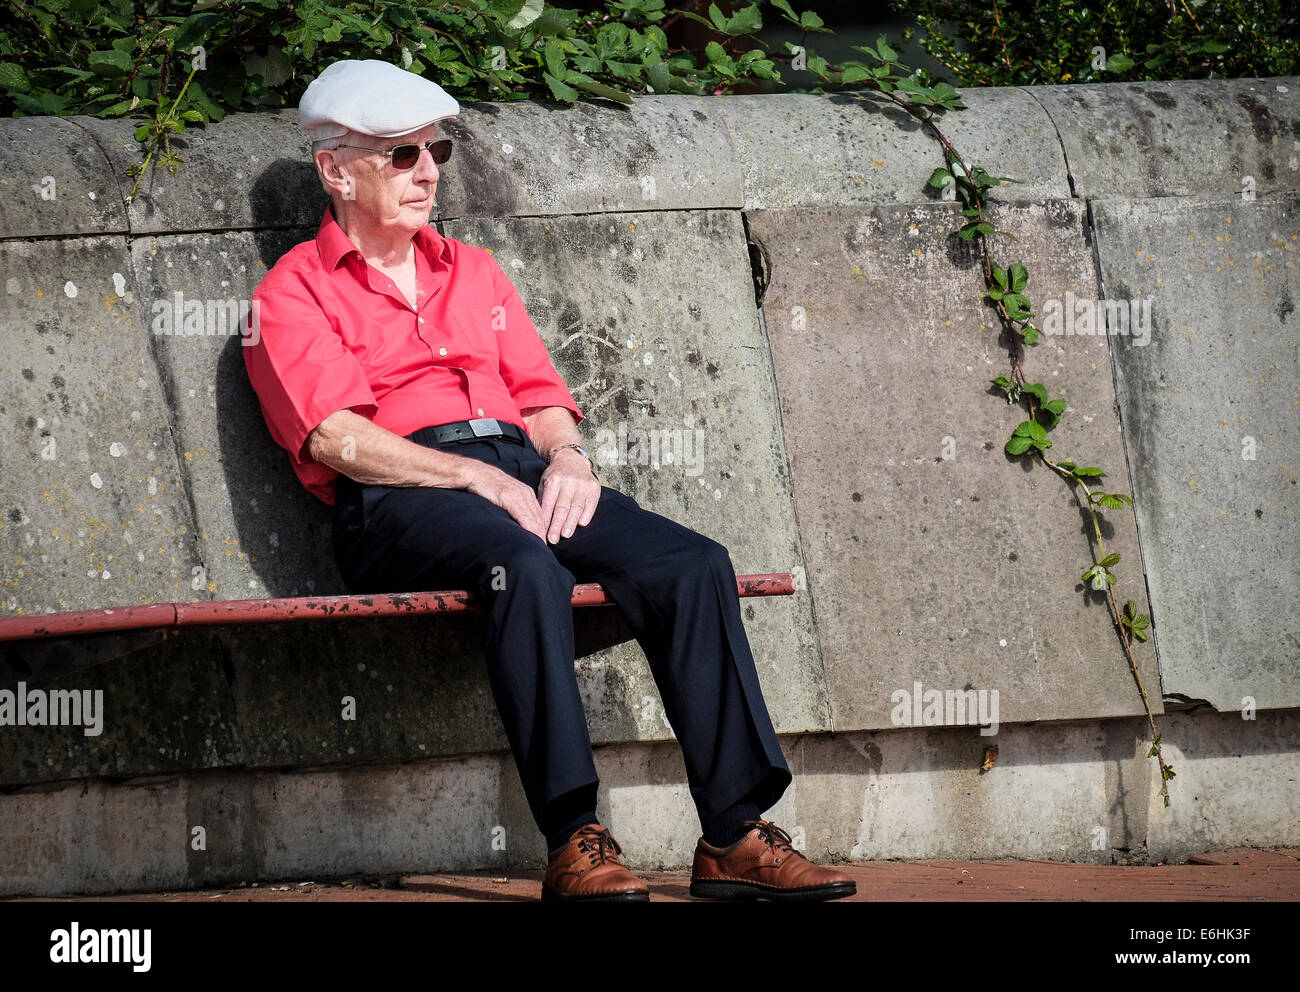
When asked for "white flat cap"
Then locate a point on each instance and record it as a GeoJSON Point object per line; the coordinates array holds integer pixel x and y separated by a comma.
{"type": "Point", "coordinates": [371, 97]}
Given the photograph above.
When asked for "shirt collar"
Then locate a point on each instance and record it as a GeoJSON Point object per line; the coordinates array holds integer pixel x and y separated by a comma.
{"type": "Point", "coordinates": [334, 244]}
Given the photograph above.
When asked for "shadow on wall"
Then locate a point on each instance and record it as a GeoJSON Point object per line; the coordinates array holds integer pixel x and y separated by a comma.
{"type": "Point", "coordinates": [282, 528]}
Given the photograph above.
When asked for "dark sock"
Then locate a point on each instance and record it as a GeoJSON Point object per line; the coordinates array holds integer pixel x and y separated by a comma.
{"type": "Point", "coordinates": [727, 827]}
{"type": "Point", "coordinates": [566, 814]}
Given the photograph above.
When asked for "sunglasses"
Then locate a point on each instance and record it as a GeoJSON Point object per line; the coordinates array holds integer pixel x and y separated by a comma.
{"type": "Point", "coordinates": [405, 156]}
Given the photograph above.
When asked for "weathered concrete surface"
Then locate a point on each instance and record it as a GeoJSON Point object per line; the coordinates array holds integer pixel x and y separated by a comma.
{"type": "Point", "coordinates": [249, 171]}
{"type": "Point", "coordinates": [261, 533]}
{"type": "Point", "coordinates": [1210, 409]}
{"type": "Point", "coordinates": [1189, 138]}
{"type": "Point", "coordinates": [1081, 792]}
{"type": "Point", "coordinates": [55, 180]}
{"type": "Point", "coordinates": [542, 158]}
{"type": "Point", "coordinates": [96, 510]}
{"type": "Point", "coordinates": [1235, 778]}
{"type": "Point", "coordinates": [164, 705]}
{"type": "Point", "coordinates": [646, 347]}
{"type": "Point", "coordinates": [804, 150]}
{"type": "Point", "coordinates": [932, 556]}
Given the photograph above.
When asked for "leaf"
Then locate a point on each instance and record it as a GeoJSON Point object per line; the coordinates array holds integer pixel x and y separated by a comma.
{"type": "Point", "coordinates": [1119, 63]}
{"type": "Point", "coordinates": [142, 132]}
{"type": "Point", "coordinates": [1109, 560]}
{"type": "Point", "coordinates": [1018, 445]}
{"type": "Point", "coordinates": [1110, 502]}
{"type": "Point", "coordinates": [109, 62]}
{"type": "Point", "coordinates": [13, 77]}
{"type": "Point", "coordinates": [940, 178]}
{"type": "Point", "coordinates": [1030, 333]}
{"type": "Point", "coordinates": [561, 92]}
{"type": "Point", "coordinates": [554, 55]}
{"type": "Point", "coordinates": [1090, 471]}
{"type": "Point", "coordinates": [784, 7]}
{"type": "Point", "coordinates": [660, 77]}
{"type": "Point", "coordinates": [1002, 381]}
{"type": "Point", "coordinates": [1036, 390]}
{"type": "Point", "coordinates": [529, 12]}
{"type": "Point", "coordinates": [886, 53]}
{"type": "Point", "coordinates": [1019, 277]}
{"type": "Point", "coordinates": [810, 21]}
{"type": "Point", "coordinates": [746, 20]}
{"type": "Point", "coordinates": [598, 89]}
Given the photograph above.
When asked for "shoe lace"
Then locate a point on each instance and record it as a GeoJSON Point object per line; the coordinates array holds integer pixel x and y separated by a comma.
{"type": "Point", "coordinates": [776, 837]}
{"type": "Point", "coordinates": [596, 842]}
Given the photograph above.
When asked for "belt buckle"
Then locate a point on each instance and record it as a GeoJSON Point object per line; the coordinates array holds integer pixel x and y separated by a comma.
{"type": "Point", "coordinates": [485, 427]}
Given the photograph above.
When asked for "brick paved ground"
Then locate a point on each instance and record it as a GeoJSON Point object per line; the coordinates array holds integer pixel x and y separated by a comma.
{"type": "Point", "coordinates": [1236, 875]}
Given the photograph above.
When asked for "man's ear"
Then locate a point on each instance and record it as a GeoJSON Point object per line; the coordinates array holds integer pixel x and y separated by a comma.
{"type": "Point", "coordinates": [333, 176]}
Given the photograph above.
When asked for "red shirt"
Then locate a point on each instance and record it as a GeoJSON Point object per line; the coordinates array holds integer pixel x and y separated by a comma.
{"type": "Point", "coordinates": [334, 333]}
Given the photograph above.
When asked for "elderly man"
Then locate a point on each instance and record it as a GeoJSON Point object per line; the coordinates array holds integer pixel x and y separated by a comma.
{"type": "Point", "coordinates": [400, 371]}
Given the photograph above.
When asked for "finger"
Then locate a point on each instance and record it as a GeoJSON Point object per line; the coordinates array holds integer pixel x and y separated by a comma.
{"type": "Point", "coordinates": [564, 499]}
{"type": "Point", "coordinates": [547, 491]}
{"type": "Point", "coordinates": [529, 518]}
{"type": "Point", "coordinates": [576, 510]}
{"type": "Point", "coordinates": [589, 510]}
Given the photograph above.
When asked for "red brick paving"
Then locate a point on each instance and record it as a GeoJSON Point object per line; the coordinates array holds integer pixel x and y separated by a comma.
{"type": "Point", "coordinates": [1235, 875]}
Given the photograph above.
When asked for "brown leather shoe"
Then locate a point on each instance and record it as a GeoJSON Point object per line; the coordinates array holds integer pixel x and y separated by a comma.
{"type": "Point", "coordinates": [587, 869]}
{"type": "Point", "coordinates": [763, 865]}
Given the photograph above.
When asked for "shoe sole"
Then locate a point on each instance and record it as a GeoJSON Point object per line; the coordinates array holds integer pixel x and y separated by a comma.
{"type": "Point", "coordinates": [749, 890]}
{"type": "Point", "coordinates": [549, 895]}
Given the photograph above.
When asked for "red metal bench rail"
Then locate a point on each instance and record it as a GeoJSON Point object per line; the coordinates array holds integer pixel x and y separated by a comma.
{"type": "Point", "coordinates": [240, 611]}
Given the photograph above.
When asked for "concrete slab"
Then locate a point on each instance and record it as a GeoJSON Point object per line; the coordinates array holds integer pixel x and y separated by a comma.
{"type": "Point", "coordinates": [261, 533]}
{"type": "Point", "coordinates": [932, 557]}
{"type": "Point", "coordinates": [96, 509]}
{"type": "Point", "coordinates": [55, 180]}
{"type": "Point", "coordinates": [250, 171]}
{"type": "Point", "coordinates": [150, 702]}
{"type": "Point", "coordinates": [392, 690]}
{"type": "Point", "coordinates": [1237, 779]}
{"type": "Point", "coordinates": [650, 319]}
{"type": "Point", "coordinates": [539, 158]}
{"type": "Point", "coordinates": [915, 793]}
{"type": "Point", "coordinates": [1213, 437]}
{"type": "Point", "coordinates": [1131, 139]}
{"type": "Point", "coordinates": [807, 150]}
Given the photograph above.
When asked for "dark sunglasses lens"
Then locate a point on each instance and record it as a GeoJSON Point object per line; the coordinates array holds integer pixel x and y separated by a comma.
{"type": "Point", "coordinates": [405, 156]}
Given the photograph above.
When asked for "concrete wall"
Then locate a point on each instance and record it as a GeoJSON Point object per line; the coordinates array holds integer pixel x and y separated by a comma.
{"type": "Point", "coordinates": [847, 430]}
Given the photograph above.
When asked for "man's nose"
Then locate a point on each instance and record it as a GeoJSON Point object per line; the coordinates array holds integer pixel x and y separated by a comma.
{"type": "Point", "coordinates": [426, 169]}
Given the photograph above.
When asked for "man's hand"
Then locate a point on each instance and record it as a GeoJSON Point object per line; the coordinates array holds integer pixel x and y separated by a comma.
{"type": "Point", "coordinates": [515, 497]}
{"type": "Point", "coordinates": [569, 493]}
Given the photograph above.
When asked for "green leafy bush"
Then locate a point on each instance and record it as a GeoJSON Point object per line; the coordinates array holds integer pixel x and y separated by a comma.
{"type": "Point", "coordinates": [1027, 42]}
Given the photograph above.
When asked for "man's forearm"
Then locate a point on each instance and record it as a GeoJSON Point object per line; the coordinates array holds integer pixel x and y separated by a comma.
{"type": "Point", "coordinates": [374, 456]}
{"type": "Point", "coordinates": [550, 427]}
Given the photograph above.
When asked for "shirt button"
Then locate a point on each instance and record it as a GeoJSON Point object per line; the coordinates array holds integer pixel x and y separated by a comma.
{"type": "Point", "coordinates": [442, 352]}
{"type": "Point", "coordinates": [480, 411]}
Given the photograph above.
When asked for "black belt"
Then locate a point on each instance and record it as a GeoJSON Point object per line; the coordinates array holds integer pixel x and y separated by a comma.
{"type": "Point", "coordinates": [470, 430]}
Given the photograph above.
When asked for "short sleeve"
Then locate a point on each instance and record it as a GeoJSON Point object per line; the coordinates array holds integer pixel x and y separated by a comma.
{"type": "Point", "coordinates": [298, 365]}
{"type": "Point", "coordinates": [523, 361]}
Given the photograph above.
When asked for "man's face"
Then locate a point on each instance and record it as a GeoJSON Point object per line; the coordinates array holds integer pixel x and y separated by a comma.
{"type": "Point", "coordinates": [387, 196]}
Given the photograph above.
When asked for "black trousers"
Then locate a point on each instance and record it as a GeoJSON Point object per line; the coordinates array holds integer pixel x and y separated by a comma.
{"type": "Point", "coordinates": [676, 588]}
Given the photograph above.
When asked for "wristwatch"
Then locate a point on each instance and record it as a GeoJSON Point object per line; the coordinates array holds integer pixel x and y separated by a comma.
{"type": "Point", "coordinates": [580, 450]}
